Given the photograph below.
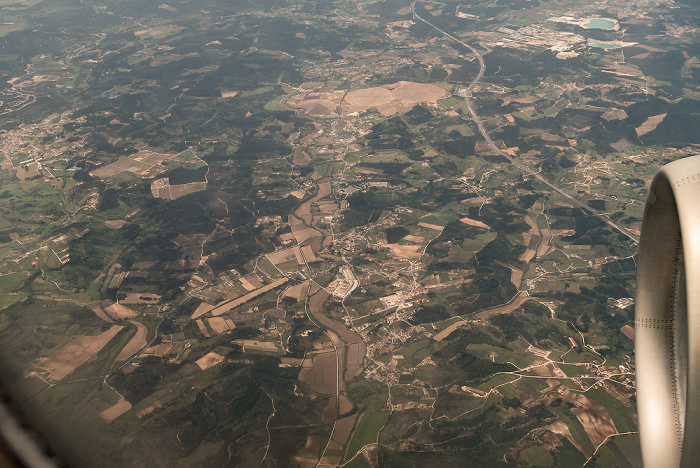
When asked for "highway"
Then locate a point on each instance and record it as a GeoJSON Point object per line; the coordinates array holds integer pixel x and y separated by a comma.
{"type": "Point", "coordinates": [480, 125]}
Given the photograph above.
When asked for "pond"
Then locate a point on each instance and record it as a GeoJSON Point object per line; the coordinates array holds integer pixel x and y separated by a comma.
{"type": "Point", "coordinates": [599, 23]}
{"type": "Point", "coordinates": [601, 45]}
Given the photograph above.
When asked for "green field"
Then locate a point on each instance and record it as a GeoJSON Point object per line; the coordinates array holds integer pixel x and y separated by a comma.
{"type": "Point", "coordinates": [366, 430]}
{"type": "Point", "coordinates": [569, 456]}
{"type": "Point", "coordinates": [113, 97]}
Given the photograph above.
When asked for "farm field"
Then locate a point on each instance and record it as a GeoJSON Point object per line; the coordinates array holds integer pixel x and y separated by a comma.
{"type": "Point", "coordinates": [333, 233]}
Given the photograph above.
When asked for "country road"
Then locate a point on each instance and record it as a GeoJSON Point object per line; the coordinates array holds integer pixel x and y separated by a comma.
{"type": "Point", "coordinates": [480, 125]}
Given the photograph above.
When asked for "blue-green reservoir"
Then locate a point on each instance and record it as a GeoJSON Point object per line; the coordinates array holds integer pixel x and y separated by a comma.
{"type": "Point", "coordinates": [599, 23]}
{"type": "Point", "coordinates": [600, 45]}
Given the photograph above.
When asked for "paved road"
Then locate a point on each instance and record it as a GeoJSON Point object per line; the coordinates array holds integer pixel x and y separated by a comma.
{"type": "Point", "coordinates": [480, 125]}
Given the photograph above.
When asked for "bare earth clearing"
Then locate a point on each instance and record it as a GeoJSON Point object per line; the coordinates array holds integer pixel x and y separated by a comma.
{"type": "Point", "coordinates": [544, 246]}
{"type": "Point", "coordinates": [145, 164]}
{"type": "Point", "coordinates": [343, 405]}
{"type": "Point", "coordinates": [304, 210]}
{"type": "Point", "coordinates": [137, 343]}
{"type": "Point", "coordinates": [75, 353]}
{"type": "Point", "coordinates": [120, 312]}
{"type": "Point", "coordinates": [474, 222]}
{"type": "Point", "coordinates": [650, 124]}
{"type": "Point", "coordinates": [529, 253]}
{"type": "Point", "coordinates": [221, 325]}
{"type": "Point", "coordinates": [343, 427]}
{"type": "Point", "coordinates": [595, 419]}
{"type": "Point", "coordinates": [115, 223]}
{"type": "Point", "coordinates": [159, 349]}
{"type": "Point", "coordinates": [520, 299]}
{"type": "Point", "coordinates": [389, 99]}
{"type": "Point", "coordinates": [298, 292]}
{"type": "Point", "coordinates": [202, 309]}
{"type": "Point", "coordinates": [447, 331]}
{"type": "Point", "coordinates": [209, 360]}
{"type": "Point", "coordinates": [320, 371]}
{"type": "Point", "coordinates": [257, 345]}
{"type": "Point", "coordinates": [434, 227]}
{"type": "Point", "coordinates": [226, 306]}
{"type": "Point", "coordinates": [113, 412]}
{"type": "Point", "coordinates": [286, 255]}
{"type": "Point", "coordinates": [161, 188]}
{"type": "Point", "coordinates": [28, 171]}
{"type": "Point", "coordinates": [516, 277]}
{"type": "Point", "coordinates": [101, 314]}
{"type": "Point", "coordinates": [323, 371]}
{"type": "Point", "coordinates": [140, 298]}
{"type": "Point", "coordinates": [202, 328]}
{"type": "Point", "coordinates": [404, 251]}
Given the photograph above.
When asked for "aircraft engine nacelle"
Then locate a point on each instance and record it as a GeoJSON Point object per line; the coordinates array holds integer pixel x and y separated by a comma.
{"type": "Point", "coordinates": [667, 318]}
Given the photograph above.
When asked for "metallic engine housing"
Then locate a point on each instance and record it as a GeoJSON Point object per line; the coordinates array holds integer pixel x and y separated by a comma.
{"type": "Point", "coordinates": [667, 322]}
